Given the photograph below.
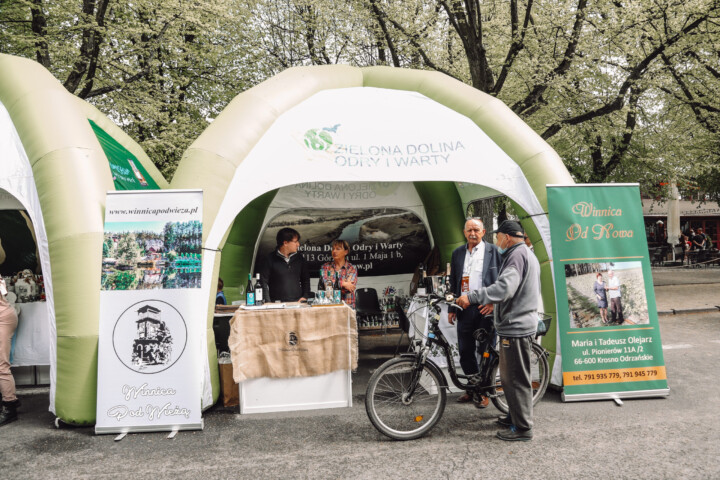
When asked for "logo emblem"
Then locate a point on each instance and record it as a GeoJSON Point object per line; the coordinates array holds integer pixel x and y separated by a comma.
{"type": "Point", "coordinates": [320, 138]}
{"type": "Point", "coordinates": [149, 336]}
{"type": "Point", "coordinates": [292, 339]}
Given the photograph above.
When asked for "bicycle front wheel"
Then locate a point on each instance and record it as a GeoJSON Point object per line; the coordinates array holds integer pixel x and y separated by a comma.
{"type": "Point", "coordinates": [394, 410]}
{"type": "Point", "coordinates": [539, 376]}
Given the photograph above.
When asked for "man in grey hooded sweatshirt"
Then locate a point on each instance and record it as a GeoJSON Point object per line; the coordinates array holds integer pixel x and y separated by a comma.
{"type": "Point", "coordinates": [516, 295]}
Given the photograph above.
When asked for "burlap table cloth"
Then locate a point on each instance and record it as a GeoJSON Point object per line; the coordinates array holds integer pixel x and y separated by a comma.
{"type": "Point", "coordinates": [293, 342]}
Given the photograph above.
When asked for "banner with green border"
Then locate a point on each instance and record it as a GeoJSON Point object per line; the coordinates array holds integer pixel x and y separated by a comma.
{"type": "Point", "coordinates": [607, 317]}
{"type": "Point", "coordinates": [127, 171]}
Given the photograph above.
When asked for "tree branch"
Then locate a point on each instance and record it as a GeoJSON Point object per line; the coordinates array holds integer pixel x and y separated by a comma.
{"type": "Point", "coordinates": [635, 74]}
{"type": "Point", "coordinates": [517, 44]}
{"type": "Point", "coordinates": [39, 28]}
{"type": "Point", "coordinates": [530, 103]}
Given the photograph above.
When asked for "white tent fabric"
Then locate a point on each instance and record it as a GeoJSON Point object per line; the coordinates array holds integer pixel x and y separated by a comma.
{"type": "Point", "coordinates": [375, 135]}
{"type": "Point", "coordinates": [16, 178]}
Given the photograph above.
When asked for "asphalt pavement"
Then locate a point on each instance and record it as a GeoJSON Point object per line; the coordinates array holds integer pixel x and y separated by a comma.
{"type": "Point", "coordinates": [673, 437]}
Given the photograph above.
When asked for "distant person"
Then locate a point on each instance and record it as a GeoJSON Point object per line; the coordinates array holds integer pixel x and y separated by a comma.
{"type": "Point", "coordinates": [601, 296]}
{"type": "Point", "coordinates": [345, 270]}
{"type": "Point", "coordinates": [220, 297]}
{"type": "Point", "coordinates": [8, 324]}
{"type": "Point", "coordinates": [614, 292]}
{"type": "Point", "coordinates": [685, 244]}
{"type": "Point", "coordinates": [284, 273]}
{"type": "Point", "coordinates": [472, 266]}
{"type": "Point", "coordinates": [697, 239]}
{"type": "Point", "coordinates": [529, 243]}
{"type": "Point", "coordinates": [708, 241]}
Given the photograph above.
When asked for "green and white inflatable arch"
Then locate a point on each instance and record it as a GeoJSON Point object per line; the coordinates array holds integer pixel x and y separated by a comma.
{"type": "Point", "coordinates": [379, 124]}
{"type": "Point", "coordinates": [61, 177]}
{"type": "Point", "coordinates": [276, 134]}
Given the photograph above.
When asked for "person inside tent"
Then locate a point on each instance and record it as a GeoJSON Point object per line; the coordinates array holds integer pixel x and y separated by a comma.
{"type": "Point", "coordinates": [220, 297]}
{"type": "Point", "coordinates": [284, 272]}
{"type": "Point", "coordinates": [346, 271]}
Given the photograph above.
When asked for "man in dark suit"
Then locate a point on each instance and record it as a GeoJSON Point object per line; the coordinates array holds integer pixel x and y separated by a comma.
{"type": "Point", "coordinates": [472, 266]}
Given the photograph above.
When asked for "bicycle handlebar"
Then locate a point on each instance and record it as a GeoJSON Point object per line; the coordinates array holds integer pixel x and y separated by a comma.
{"type": "Point", "coordinates": [448, 299]}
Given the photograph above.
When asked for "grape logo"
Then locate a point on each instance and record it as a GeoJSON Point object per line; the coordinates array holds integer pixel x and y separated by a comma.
{"type": "Point", "coordinates": [320, 138]}
{"type": "Point", "coordinates": [149, 336]}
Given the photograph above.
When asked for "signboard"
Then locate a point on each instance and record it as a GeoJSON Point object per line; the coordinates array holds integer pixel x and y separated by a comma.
{"type": "Point", "coordinates": [383, 241]}
{"type": "Point", "coordinates": [607, 318]}
{"type": "Point", "coordinates": [151, 316]}
{"type": "Point", "coordinates": [127, 171]}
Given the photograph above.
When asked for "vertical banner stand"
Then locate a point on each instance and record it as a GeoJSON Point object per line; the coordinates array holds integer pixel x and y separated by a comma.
{"type": "Point", "coordinates": [607, 317]}
{"type": "Point", "coordinates": [151, 313]}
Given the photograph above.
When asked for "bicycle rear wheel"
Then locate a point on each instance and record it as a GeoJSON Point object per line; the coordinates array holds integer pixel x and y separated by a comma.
{"type": "Point", "coordinates": [390, 408]}
{"type": "Point", "coordinates": [539, 376]}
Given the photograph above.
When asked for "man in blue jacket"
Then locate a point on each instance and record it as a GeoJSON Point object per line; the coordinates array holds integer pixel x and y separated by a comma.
{"type": "Point", "coordinates": [516, 295]}
{"type": "Point", "coordinates": [472, 266]}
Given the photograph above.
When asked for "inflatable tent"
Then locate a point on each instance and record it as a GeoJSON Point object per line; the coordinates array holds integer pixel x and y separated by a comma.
{"type": "Point", "coordinates": [411, 139]}
{"type": "Point", "coordinates": [340, 127]}
{"type": "Point", "coordinates": [59, 156]}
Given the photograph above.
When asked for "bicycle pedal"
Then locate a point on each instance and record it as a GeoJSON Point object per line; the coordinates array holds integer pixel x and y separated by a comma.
{"type": "Point", "coordinates": [475, 379]}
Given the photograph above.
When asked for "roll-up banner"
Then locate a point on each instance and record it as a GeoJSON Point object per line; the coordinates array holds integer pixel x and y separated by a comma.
{"type": "Point", "coordinates": [151, 313]}
{"type": "Point", "coordinates": [607, 317]}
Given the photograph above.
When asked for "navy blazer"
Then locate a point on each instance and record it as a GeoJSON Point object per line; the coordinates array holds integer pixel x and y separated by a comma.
{"type": "Point", "coordinates": [491, 266]}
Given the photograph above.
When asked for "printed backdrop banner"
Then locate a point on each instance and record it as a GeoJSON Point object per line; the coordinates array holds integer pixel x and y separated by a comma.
{"type": "Point", "coordinates": [608, 324]}
{"type": "Point", "coordinates": [150, 335]}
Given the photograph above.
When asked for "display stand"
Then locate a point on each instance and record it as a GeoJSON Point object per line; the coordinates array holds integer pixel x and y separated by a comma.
{"type": "Point", "coordinates": [279, 370]}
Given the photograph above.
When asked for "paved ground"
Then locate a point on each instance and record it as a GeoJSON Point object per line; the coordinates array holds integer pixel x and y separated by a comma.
{"type": "Point", "coordinates": [681, 290]}
{"type": "Point", "coordinates": [673, 437]}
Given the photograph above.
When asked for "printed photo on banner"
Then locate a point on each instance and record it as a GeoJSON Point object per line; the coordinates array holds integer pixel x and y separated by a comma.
{"type": "Point", "coordinates": [606, 294]}
{"type": "Point", "coordinates": [151, 255]}
{"type": "Point", "coordinates": [383, 241]}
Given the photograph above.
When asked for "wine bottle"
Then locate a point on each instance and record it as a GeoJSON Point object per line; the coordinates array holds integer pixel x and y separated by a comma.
{"type": "Point", "coordinates": [321, 282]}
{"type": "Point", "coordinates": [250, 292]}
{"type": "Point", "coordinates": [448, 290]}
{"type": "Point", "coordinates": [259, 300]}
{"type": "Point", "coordinates": [337, 291]}
{"type": "Point", "coordinates": [421, 284]}
{"type": "Point", "coordinates": [329, 291]}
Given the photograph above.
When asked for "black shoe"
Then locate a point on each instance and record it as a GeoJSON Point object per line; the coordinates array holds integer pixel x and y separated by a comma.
{"type": "Point", "coordinates": [7, 414]}
{"type": "Point", "coordinates": [512, 434]}
{"type": "Point", "coordinates": [504, 421]}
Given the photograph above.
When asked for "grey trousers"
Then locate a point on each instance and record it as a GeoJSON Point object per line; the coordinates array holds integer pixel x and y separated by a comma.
{"type": "Point", "coordinates": [516, 380]}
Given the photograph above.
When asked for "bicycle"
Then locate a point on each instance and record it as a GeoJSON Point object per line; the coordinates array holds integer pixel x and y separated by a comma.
{"type": "Point", "coordinates": [406, 396]}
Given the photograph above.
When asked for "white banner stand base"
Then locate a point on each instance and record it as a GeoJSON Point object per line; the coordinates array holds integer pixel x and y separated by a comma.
{"type": "Point", "coordinates": [263, 395]}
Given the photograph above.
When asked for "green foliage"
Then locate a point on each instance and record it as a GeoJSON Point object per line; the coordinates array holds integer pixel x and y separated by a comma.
{"type": "Point", "coordinates": [126, 280]}
{"type": "Point", "coordinates": [624, 91]}
{"type": "Point", "coordinates": [128, 250]}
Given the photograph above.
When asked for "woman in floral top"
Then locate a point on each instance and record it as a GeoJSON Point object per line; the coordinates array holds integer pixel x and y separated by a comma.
{"type": "Point", "coordinates": [340, 266]}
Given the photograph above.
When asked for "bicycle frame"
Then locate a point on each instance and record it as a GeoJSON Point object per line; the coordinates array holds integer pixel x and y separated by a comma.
{"type": "Point", "coordinates": [476, 383]}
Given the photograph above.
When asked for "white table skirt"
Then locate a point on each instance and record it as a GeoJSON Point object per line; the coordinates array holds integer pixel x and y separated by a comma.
{"type": "Point", "coordinates": [32, 337]}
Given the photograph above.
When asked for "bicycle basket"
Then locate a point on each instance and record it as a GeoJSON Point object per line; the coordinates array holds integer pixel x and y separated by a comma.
{"type": "Point", "coordinates": [543, 324]}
